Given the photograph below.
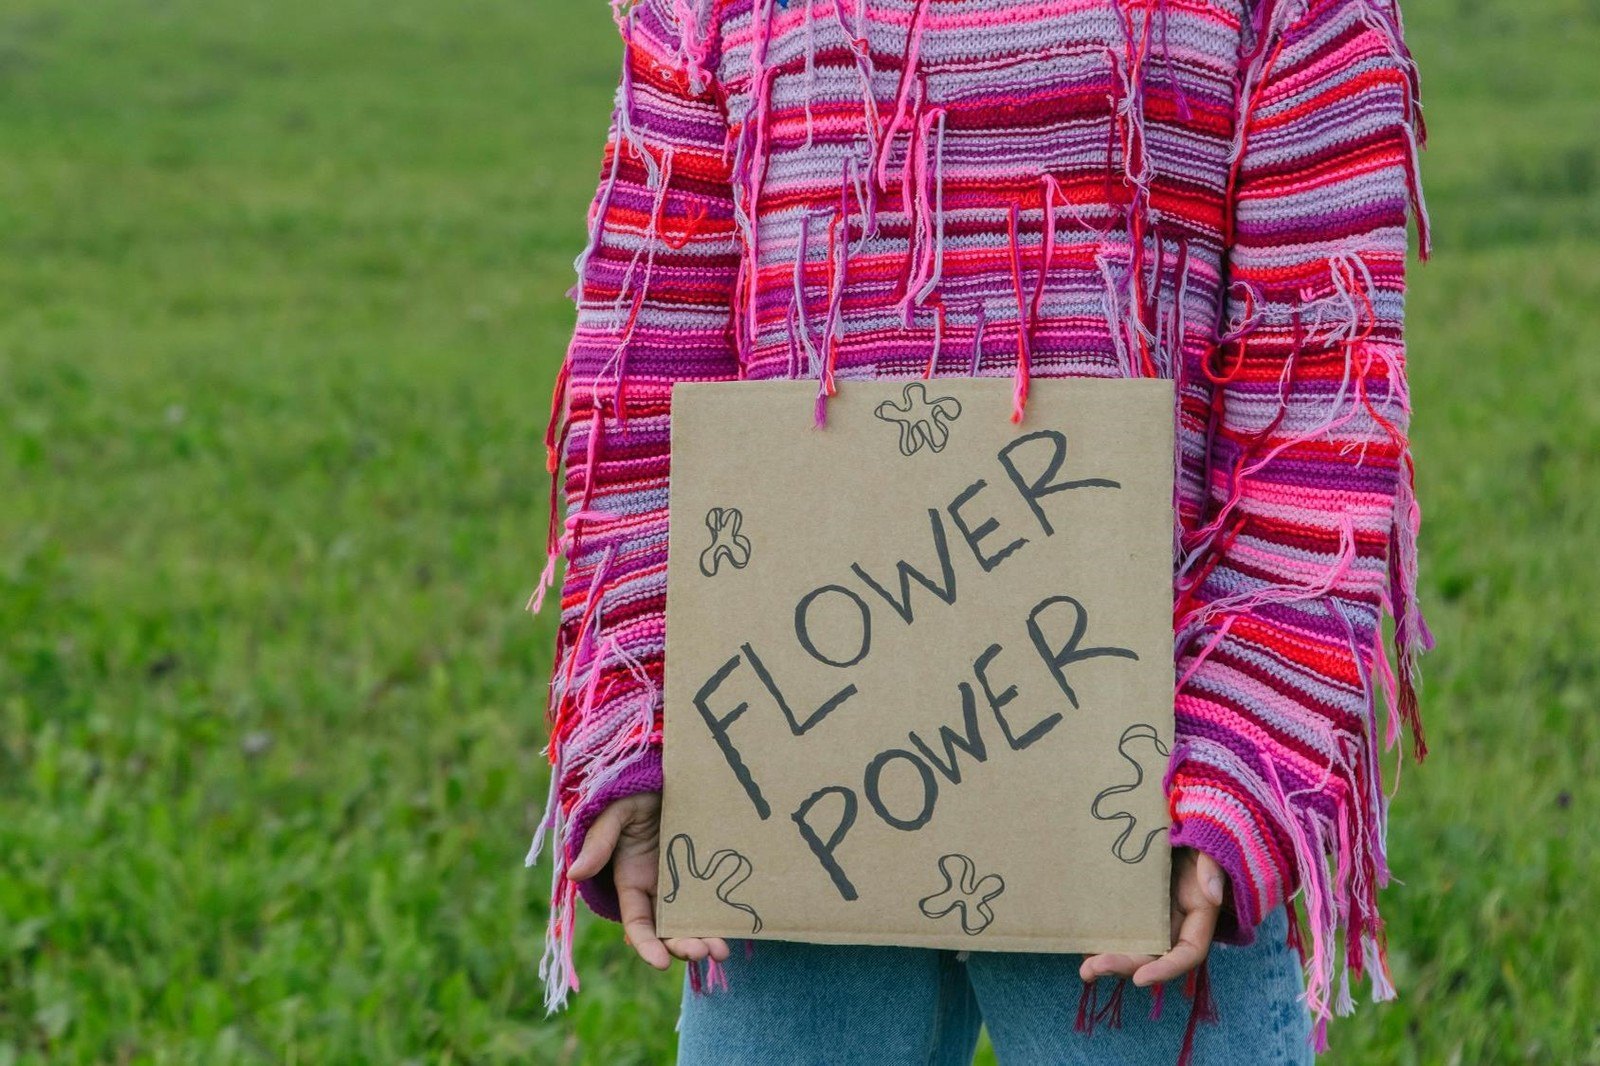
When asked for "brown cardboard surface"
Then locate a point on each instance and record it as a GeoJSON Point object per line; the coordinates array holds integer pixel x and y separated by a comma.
{"type": "Point", "coordinates": [968, 755]}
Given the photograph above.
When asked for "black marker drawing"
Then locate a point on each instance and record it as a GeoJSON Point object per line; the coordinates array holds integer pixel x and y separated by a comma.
{"type": "Point", "coordinates": [727, 542]}
{"type": "Point", "coordinates": [732, 868]}
{"type": "Point", "coordinates": [1141, 746]}
{"type": "Point", "coordinates": [963, 891]}
{"type": "Point", "coordinates": [921, 420]}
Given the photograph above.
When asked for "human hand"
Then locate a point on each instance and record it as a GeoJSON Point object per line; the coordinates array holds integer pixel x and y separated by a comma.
{"type": "Point", "coordinates": [627, 834]}
{"type": "Point", "coordinates": [1199, 890]}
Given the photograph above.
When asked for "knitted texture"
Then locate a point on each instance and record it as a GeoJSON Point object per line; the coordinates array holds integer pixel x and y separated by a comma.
{"type": "Point", "coordinates": [1211, 191]}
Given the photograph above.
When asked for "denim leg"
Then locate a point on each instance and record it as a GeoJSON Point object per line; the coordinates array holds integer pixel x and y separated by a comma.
{"type": "Point", "coordinates": [1030, 1003]}
{"type": "Point", "coordinates": [791, 1004]}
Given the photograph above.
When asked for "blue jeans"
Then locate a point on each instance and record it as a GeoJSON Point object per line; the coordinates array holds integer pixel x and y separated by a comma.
{"type": "Point", "coordinates": [789, 1004]}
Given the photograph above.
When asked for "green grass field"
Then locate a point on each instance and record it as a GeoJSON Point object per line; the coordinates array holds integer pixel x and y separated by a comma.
{"type": "Point", "coordinates": [281, 299]}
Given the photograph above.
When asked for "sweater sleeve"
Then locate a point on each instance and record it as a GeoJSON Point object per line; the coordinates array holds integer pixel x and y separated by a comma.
{"type": "Point", "coordinates": [1310, 529]}
{"type": "Point", "coordinates": [654, 298]}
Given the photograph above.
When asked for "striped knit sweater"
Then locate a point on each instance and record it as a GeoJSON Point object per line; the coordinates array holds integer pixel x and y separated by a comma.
{"type": "Point", "coordinates": [1212, 191]}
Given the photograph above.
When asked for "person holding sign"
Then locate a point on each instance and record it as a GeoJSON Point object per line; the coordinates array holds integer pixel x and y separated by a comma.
{"type": "Point", "coordinates": [1214, 193]}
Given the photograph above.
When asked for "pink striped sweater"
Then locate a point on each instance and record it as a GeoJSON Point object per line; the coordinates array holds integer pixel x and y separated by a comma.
{"type": "Point", "coordinates": [1212, 191]}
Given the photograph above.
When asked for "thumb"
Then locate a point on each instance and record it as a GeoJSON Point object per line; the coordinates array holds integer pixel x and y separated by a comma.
{"type": "Point", "coordinates": [598, 844]}
{"type": "Point", "coordinates": [1213, 879]}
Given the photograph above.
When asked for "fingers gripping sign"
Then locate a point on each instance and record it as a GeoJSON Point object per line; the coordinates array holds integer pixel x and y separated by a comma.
{"type": "Point", "coordinates": [626, 836]}
{"type": "Point", "coordinates": [1199, 892]}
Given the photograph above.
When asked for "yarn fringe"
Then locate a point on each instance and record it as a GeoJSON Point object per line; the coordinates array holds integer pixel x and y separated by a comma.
{"type": "Point", "coordinates": [707, 976]}
{"type": "Point", "coordinates": [1202, 1009]}
{"type": "Point", "coordinates": [1091, 1013]}
{"type": "Point", "coordinates": [583, 763]}
{"type": "Point", "coordinates": [1343, 814]}
{"type": "Point", "coordinates": [1196, 987]}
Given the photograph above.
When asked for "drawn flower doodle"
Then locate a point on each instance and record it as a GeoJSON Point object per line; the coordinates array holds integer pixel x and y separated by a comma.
{"type": "Point", "coordinates": [1144, 752]}
{"type": "Point", "coordinates": [727, 542]}
{"type": "Point", "coordinates": [921, 420]}
{"type": "Point", "coordinates": [724, 872]}
{"type": "Point", "coordinates": [964, 891]}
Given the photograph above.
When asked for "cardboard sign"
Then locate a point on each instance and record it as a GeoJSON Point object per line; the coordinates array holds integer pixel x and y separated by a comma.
{"type": "Point", "coordinates": [919, 667]}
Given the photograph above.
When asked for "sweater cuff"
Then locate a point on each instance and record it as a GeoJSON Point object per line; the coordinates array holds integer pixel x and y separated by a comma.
{"type": "Point", "coordinates": [1211, 815]}
{"type": "Point", "coordinates": [641, 775]}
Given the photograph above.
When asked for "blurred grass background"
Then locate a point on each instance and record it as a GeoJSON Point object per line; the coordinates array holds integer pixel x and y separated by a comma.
{"type": "Point", "coordinates": [281, 300]}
